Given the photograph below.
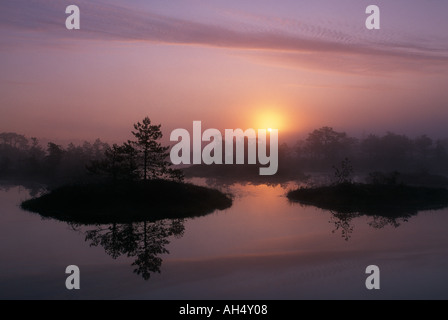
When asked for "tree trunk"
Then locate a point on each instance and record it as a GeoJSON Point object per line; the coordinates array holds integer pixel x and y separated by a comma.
{"type": "Point", "coordinates": [145, 156]}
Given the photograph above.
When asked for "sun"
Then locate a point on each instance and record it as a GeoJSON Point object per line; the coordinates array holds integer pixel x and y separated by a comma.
{"type": "Point", "coordinates": [269, 120]}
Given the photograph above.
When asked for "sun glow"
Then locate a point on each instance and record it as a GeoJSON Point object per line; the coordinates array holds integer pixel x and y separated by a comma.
{"type": "Point", "coordinates": [270, 120]}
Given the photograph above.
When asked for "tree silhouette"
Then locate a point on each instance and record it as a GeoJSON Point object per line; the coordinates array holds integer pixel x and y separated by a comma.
{"type": "Point", "coordinates": [395, 149]}
{"type": "Point", "coordinates": [153, 155]}
{"type": "Point", "coordinates": [14, 140]}
{"type": "Point", "coordinates": [152, 152]}
{"type": "Point", "coordinates": [144, 158]}
{"type": "Point", "coordinates": [119, 163]}
{"type": "Point", "coordinates": [327, 144]}
{"type": "Point", "coordinates": [25, 159]}
{"type": "Point", "coordinates": [343, 174]}
{"type": "Point", "coordinates": [53, 160]}
{"type": "Point", "coordinates": [54, 154]}
{"type": "Point", "coordinates": [423, 146]}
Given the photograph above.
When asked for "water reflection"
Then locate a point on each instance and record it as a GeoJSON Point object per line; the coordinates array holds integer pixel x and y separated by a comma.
{"type": "Point", "coordinates": [144, 241]}
{"type": "Point", "coordinates": [343, 220]}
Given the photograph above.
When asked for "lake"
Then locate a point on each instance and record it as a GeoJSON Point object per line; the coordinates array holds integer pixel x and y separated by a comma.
{"type": "Point", "coordinates": [263, 247]}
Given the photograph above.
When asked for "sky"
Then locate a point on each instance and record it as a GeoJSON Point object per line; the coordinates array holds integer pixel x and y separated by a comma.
{"type": "Point", "coordinates": [294, 65]}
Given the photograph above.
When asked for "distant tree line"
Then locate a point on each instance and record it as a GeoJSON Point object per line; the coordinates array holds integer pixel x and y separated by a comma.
{"type": "Point", "coordinates": [327, 150]}
{"type": "Point", "coordinates": [23, 158]}
{"type": "Point", "coordinates": [143, 158]}
{"type": "Point", "coordinates": [326, 147]}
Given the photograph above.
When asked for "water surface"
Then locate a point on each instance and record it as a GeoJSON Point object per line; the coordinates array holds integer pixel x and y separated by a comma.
{"type": "Point", "coordinates": [263, 247]}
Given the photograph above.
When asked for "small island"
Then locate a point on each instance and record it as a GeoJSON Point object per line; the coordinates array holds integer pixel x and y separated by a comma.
{"type": "Point", "coordinates": [131, 182]}
{"type": "Point", "coordinates": [388, 200]}
{"type": "Point", "coordinates": [124, 202]}
{"type": "Point", "coordinates": [382, 195]}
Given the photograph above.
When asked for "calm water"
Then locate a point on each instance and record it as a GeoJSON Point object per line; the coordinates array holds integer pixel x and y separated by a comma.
{"type": "Point", "coordinates": [263, 247]}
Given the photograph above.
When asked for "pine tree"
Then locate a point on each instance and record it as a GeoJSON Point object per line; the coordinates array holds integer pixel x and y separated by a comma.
{"type": "Point", "coordinates": [143, 158]}
{"type": "Point", "coordinates": [119, 163]}
{"type": "Point", "coordinates": [153, 155]}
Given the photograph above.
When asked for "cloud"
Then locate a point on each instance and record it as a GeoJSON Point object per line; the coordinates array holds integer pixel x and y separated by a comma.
{"type": "Point", "coordinates": [371, 63]}
{"type": "Point", "coordinates": [309, 45]}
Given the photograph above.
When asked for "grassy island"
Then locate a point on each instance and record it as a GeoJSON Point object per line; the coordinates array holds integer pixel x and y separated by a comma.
{"type": "Point", "coordinates": [379, 199]}
{"type": "Point", "coordinates": [123, 202]}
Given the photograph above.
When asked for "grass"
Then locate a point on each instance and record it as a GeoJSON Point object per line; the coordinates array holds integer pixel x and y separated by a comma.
{"type": "Point", "coordinates": [127, 202]}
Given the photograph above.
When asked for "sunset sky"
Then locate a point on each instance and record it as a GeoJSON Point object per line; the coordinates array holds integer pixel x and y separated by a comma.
{"type": "Point", "coordinates": [293, 65]}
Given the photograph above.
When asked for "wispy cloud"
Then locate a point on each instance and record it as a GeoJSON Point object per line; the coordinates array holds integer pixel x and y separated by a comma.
{"type": "Point", "coordinates": [288, 41]}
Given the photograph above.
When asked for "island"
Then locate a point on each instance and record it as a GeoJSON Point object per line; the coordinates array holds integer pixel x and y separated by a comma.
{"type": "Point", "coordinates": [372, 198]}
{"type": "Point", "coordinates": [131, 182]}
{"type": "Point", "coordinates": [124, 202]}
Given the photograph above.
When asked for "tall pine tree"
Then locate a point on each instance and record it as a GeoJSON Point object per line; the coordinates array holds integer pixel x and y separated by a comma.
{"type": "Point", "coordinates": [153, 155]}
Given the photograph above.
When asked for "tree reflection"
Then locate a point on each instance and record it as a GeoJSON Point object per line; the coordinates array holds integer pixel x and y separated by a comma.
{"type": "Point", "coordinates": [145, 241]}
{"type": "Point", "coordinates": [379, 222]}
{"type": "Point", "coordinates": [343, 221]}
